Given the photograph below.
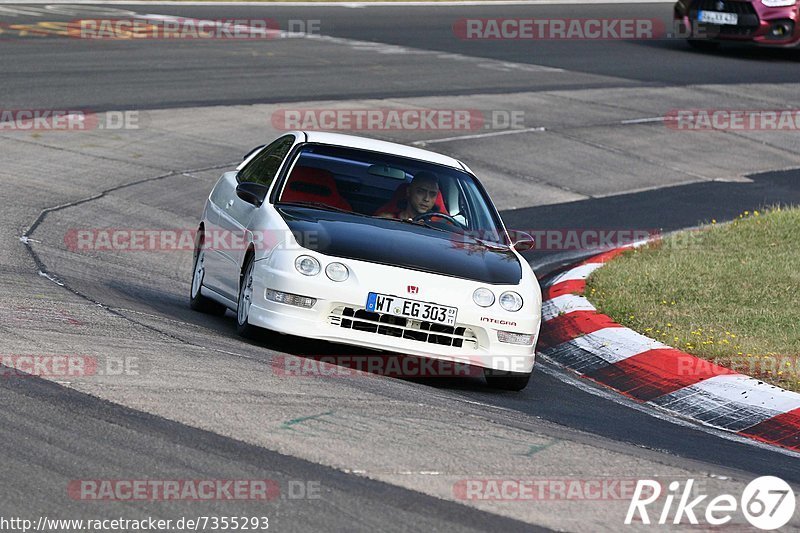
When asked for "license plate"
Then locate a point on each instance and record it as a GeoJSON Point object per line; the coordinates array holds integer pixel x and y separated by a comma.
{"type": "Point", "coordinates": [715, 17]}
{"type": "Point", "coordinates": [394, 305]}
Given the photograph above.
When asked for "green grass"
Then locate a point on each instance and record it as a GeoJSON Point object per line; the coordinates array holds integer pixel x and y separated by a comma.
{"type": "Point", "coordinates": [729, 293]}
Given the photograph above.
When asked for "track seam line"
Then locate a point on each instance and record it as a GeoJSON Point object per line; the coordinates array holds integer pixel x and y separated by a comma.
{"type": "Point", "coordinates": [26, 241]}
{"type": "Point", "coordinates": [78, 152]}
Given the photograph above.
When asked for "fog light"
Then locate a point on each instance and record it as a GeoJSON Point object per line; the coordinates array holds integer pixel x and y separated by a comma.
{"type": "Point", "coordinates": [510, 337]}
{"type": "Point", "coordinates": [289, 299]}
{"type": "Point", "coordinates": [781, 30]}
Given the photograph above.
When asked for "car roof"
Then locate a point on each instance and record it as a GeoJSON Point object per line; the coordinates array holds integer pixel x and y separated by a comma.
{"type": "Point", "coordinates": [364, 143]}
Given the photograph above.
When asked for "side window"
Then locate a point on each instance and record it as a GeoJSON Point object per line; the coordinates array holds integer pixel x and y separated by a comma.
{"type": "Point", "coordinates": [265, 166]}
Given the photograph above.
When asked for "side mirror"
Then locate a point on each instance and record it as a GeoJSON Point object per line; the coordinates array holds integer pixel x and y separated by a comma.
{"type": "Point", "coordinates": [252, 193]}
{"type": "Point", "coordinates": [522, 242]}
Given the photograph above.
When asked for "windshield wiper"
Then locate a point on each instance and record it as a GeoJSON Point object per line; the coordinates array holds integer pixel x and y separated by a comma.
{"type": "Point", "coordinates": [419, 223]}
{"type": "Point", "coordinates": [427, 225]}
{"type": "Point", "coordinates": [492, 245]}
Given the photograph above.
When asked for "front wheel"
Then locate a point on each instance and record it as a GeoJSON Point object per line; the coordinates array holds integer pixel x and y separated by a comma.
{"type": "Point", "coordinates": [197, 301]}
{"type": "Point", "coordinates": [243, 326]}
{"type": "Point", "coordinates": [500, 379]}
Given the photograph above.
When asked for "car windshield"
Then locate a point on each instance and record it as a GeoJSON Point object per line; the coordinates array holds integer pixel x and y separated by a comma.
{"type": "Point", "coordinates": [382, 185]}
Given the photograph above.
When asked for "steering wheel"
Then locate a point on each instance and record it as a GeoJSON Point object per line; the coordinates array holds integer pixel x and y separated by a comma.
{"type": "Point", "coordinates": [452, 220]}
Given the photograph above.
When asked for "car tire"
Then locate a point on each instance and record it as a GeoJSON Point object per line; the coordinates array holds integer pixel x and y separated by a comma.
{"type": "Point", "coordinates": [243, 326]}
{"type": "Point", "coordinates": [499, 379]}
{"type": "Point", "coordinates": [197, 301]}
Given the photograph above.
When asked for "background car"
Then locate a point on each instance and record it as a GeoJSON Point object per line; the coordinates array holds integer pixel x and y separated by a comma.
{"type": "Point", "coordinates": [311, 250]}
{"type": "Point", "coordinates": [766, 22]}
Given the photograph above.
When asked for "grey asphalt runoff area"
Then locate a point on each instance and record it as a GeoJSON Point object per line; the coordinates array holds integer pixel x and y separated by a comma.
{"type": "Point", "coordinates": [197, 402]}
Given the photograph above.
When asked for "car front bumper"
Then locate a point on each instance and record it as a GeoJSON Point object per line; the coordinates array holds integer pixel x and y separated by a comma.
{"type": "Point", "coordinates": [338, 314]}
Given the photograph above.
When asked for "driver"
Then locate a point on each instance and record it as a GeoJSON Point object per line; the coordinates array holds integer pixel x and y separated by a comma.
{"type": "Point", "coordinates": [420, 197]}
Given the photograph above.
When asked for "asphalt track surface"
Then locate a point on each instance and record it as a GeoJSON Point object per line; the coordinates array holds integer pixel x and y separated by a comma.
{"type": "Point", "coordinates": [156, 74]}
{"type": "Point", "coordinates": [203, 408]}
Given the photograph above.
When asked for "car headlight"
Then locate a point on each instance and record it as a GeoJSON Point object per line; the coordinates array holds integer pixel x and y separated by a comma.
{"type": "Point", "coordinates": [337, 272]}
{"type": "Point", "coordinates": [307, 265]}
{"type": "Point", "coordinates": [778, 3]}
{"type": "Point", "coordinates": [511, 301]}
{"type": "Point", "coordinates": [483, 297]}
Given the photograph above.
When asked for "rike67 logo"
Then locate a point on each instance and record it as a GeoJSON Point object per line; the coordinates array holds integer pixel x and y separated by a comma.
{"type": "Point", "coordinates": [767, 503]}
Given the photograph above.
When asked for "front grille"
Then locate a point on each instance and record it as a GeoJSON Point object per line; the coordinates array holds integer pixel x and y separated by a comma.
{"type": "Point", "coordinates": [730, 6]}
{"type": "Point", "coordinates": [406, 328]}
{"type": "Point", "coordinates": [747, 22]}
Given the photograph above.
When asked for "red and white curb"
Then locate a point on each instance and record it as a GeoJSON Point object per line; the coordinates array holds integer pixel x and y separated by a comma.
{"type": "Point", "coordinates": [576, 336]}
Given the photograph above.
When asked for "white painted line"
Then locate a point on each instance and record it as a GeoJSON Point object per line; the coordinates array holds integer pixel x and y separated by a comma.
{"type": "Point", "coordinates": [481, 404]}
{"type": "Point", "coordinates": [51, 278]}
{"type": "Point", "coordinates": [219, 24]}
{"type": "Point", "coordinates": [616, 344]}
{"type": "Point", "coordinates": [393, 49]}
{"type": "Point", "coordinates": [477, 136]}
{"type": "Point", "coordinates": [577, 273]}
{"type": "Point", "coordinates": [642, 120]}
{"type": "Point", "coordinates": [566, 303]}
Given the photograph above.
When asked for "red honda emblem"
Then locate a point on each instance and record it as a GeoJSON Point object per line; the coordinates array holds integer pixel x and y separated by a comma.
{"type": "Point", "coordinates": [412, 289]}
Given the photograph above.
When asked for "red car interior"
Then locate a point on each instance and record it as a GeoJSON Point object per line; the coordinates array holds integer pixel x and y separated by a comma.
{"type": "Point", "coordinates": [309, 184]}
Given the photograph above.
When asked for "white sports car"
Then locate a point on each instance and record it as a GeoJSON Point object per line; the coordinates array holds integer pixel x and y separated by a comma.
{"type": "Point", "coordinates": [372, 244]}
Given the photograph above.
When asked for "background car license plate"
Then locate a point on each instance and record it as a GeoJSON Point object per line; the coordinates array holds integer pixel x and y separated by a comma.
{"type": "Point", "coordinates": [715, 17]}
{"type": "Point", "coordinates": [394, 305]}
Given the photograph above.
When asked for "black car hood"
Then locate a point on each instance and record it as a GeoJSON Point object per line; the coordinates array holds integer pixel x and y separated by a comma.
{"type": "Point", "coordinates": [394, 243]}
